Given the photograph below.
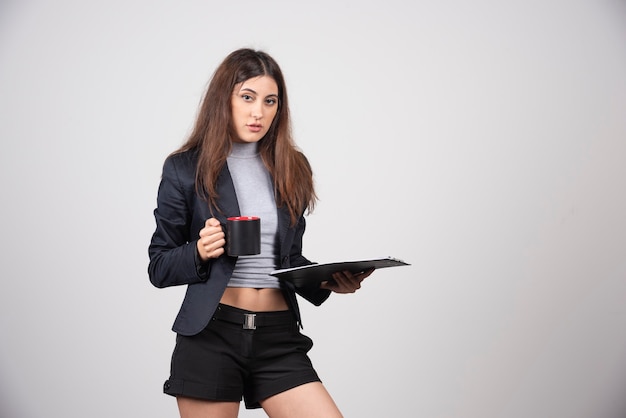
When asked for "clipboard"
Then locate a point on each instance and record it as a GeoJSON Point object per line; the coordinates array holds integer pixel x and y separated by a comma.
{"type": "Point", "coordinates": [314, 274]}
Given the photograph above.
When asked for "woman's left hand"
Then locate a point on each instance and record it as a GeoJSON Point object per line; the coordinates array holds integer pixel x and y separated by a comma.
{"type": "Point", "coordinates": [346, 282]}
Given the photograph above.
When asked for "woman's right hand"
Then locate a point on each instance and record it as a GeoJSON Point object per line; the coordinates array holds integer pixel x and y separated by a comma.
{"type": "Point", "coordinates": [211, 241]}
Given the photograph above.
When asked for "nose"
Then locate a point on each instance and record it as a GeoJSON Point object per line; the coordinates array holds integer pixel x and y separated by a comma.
{"type": "Point", "coordinates": [257, 111]}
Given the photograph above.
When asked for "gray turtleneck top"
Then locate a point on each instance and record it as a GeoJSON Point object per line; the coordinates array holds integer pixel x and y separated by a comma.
{"type": "Point", "coordinates": [255, 194]}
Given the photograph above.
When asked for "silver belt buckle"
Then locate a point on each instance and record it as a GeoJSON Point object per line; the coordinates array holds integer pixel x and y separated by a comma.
{"type": "Point", "coordinates": [249, 321]}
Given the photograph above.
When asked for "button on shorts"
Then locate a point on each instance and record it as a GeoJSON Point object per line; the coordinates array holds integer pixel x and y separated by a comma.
{"type": "Point", "coordinates": [226, 362]}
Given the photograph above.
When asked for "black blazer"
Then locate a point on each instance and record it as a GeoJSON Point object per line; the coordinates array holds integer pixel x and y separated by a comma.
{"type": "Point", "coordinates": [180, 215]}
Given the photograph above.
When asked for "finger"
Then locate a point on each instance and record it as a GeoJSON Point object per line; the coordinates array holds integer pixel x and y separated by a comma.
{"type": "Point", "coordinates": [345, 277]}
{"type": "Point", "coordinates": [212, 222]}
{"type": "Point", "coordinates": [362, 275]}
{"type": "Point", "coordinates": [338, 283]}
{"type": "Point", "coordinates": [212, 242]}
{"type": "Point", "coordinates": [345, 284]}
{"type": "Point", "coordinates": [216, 253]}
{"type": "Point", "coordinates": [212, 230]}
{"type": "Point", "coordinates": [215, 234]}
{"type": "Point", "coordinates": [349, 279]}
{"type": "Point", "coordinates": [213, 249]}
{"type": "Point", "coordinates": [343, 274]}
{"type": "Point", "coordinates": [339, 277]}
{"type": "Point", "coordinates": [367, 273]}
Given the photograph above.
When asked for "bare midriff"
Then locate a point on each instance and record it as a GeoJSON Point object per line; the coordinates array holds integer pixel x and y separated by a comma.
{"type": "Point", "coordinates": [256, 300]}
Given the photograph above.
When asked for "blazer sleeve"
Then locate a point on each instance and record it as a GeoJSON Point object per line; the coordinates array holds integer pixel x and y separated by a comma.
{"type": "Point", "coordinates": [172, 251]}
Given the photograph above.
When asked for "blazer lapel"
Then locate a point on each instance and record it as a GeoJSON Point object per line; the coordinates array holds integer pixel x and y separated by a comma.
{"type": "Point", "coordinates": [283, 229]}
{"type": "Point", "coordinates": [227, 196]}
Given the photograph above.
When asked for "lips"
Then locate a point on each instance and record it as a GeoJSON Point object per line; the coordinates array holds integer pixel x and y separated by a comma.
{"type": "Point", "coordinates": [254, 127]}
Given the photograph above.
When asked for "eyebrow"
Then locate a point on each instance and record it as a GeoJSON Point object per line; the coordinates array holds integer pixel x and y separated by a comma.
{"type": "Point", "coordinates": [252, 91]}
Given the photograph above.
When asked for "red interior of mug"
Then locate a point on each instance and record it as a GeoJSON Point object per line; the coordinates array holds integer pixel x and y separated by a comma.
{"type": "Point", "coordinates": [243, 218]}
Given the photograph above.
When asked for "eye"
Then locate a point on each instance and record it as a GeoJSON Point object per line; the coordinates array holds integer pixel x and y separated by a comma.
{"type": "Point", "coordinates": [271, 101]}
{"type": "Point", "coordinates": [247, 97]}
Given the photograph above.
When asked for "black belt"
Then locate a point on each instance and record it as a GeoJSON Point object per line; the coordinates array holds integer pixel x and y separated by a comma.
{"type": "Point", "coordinates": [252, 320]}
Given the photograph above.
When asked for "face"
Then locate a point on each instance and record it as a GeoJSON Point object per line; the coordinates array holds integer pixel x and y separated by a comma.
{"type": "Point", "coordinates": [254, 105]}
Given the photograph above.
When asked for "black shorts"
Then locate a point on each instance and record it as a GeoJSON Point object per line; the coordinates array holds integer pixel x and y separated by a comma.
{"type": "Point", "coordinates": [226, 362]}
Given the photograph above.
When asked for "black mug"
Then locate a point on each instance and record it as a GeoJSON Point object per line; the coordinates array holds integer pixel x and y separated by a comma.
{"type": "Point", "coordinates": [243, 235]}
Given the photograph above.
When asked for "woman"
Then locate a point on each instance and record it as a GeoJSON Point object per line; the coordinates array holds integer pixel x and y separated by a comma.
{"type": "Point", "coordinates": [240, 160]}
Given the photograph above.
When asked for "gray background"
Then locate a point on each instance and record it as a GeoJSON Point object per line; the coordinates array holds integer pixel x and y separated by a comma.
{"type": "Point", "coordinates": [483, 142]}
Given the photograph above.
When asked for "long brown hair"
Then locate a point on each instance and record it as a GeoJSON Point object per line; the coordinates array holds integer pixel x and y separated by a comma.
{"type": "Point", "coordinates": [213, 133]}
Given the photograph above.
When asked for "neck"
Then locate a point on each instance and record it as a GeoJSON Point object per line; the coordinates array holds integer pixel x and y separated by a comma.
{"type": "Point", "coordinates": [244, 149]}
